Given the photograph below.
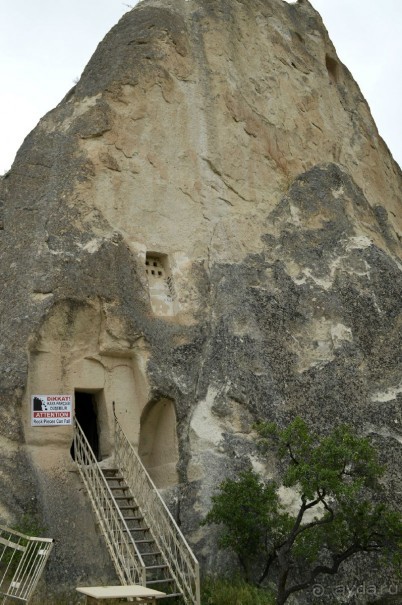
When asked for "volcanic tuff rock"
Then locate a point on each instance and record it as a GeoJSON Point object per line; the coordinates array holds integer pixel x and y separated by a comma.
{"type": "Point", "coordinates": [226, 142]}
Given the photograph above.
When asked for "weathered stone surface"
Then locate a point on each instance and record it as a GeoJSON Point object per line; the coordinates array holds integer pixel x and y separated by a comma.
{"type": "Point", "coordinates": [228, 139]}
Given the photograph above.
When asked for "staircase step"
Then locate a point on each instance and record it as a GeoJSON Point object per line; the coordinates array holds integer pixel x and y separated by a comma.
{"type": "Point", "coordinates": [131, 518]}
{"type": "Point", "coordinates": [161, 581]}
{"type": "Point", "coordinates": [138, 529]}
{"type": "Point", "coordinates": [144, 541]}
{"type": "Point", "coordinates": [149, 567]}
{"type": "Point", "coordinates": [113, 477]}
{"type": "Point", "coordinates": [151, 554]}
{"type": "Point", "coordinates": [122, 488]}
{"type": "Point", "coordinates": [129, 507]}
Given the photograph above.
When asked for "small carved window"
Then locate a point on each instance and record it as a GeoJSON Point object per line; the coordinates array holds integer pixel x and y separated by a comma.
{"type": "Point", "coordinates": [161, 285]}
{"type": "Point", "coordinates": [154, 267]}
{"type": "Point", "coordinates": [333, 69]}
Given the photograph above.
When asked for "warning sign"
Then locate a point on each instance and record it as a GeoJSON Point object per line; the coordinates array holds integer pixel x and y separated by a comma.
{"type": "Point", "coordinates": [51, 410]}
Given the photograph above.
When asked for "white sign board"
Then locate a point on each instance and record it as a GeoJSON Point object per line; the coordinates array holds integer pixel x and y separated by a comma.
{"type": "Point", "coordinates": [51, 410]}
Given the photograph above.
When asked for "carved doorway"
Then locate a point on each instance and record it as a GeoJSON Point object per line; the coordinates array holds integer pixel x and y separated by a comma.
{"type": "Point", "coordinates": [87, 417]}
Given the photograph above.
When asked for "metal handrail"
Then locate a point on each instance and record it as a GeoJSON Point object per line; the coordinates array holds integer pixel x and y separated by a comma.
{"type": "Point", "coordinates": [22, 561]}
{"type": "Point", "coordinates": [181, 561]}
{"type": "Point", "coordinates": [125, 555]}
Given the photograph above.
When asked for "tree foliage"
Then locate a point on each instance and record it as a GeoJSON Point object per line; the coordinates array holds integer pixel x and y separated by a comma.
{"type": "Point", "coordinates": [341, 510]}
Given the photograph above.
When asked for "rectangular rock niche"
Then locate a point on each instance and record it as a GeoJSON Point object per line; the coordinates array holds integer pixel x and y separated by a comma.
{"type": "Point", "coordinates": [161, 286]}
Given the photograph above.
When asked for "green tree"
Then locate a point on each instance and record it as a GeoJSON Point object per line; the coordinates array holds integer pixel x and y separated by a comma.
{"type": "Point", "coordinates": [341, 511]}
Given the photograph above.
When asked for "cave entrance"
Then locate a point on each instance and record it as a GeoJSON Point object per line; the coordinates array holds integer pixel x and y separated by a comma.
{"type": "Point", "coordinates": [87, 417]}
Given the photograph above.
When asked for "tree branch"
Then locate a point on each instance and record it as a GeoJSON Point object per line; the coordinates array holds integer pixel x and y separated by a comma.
{"type": "Point", "coordinates": [292, 457]}
{"type": "Point", "coordinates": [270, 560]}
{"type": "Point", "coordinates": [318, 522]}
{"type": "Point", "coordinates": [325, 569]}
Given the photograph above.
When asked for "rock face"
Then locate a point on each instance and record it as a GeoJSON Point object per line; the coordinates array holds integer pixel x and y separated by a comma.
{"type": "Point", "coordinates": [206, 230]}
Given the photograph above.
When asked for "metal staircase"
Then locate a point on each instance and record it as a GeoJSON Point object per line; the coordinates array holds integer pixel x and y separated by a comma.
{"type": "Point", "coordinates": [144, 541]}
{"type": "Point", "coordinates": [157, 571]}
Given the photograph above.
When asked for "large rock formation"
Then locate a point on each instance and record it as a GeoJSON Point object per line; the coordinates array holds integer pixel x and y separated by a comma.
{"type": "Point", "coordinates": [207, 230]}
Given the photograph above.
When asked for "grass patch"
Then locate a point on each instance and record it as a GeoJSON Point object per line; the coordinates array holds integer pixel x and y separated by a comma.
{"type": "Point", "coordinates": [233, 591]}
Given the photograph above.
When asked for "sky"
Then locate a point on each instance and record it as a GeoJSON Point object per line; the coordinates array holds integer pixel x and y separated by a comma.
{"type": "Point", "coordinates": [45, 45]}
